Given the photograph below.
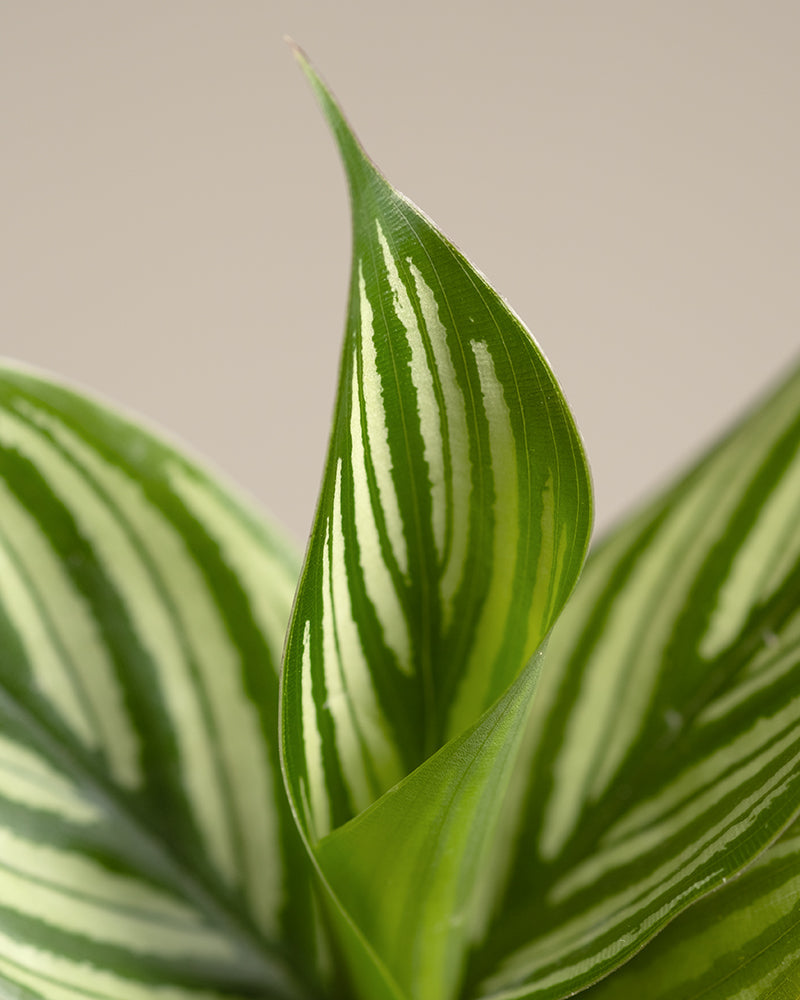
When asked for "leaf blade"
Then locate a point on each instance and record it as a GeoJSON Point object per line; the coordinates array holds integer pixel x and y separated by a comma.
{"type": "Point", "coordinates": [433, 507]}
{"type": "Point", "coordinates": [739, 943]}
{"type": "Point", "coordinates": [452, 523]}
{"type": "Point", "coordinates": [142, 611]}
{"type": "Point", "coordinates": [665, 761]}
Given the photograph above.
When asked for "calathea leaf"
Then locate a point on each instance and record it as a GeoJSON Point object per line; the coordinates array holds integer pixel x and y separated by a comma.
{"type": "Point", "coordinates": [453, 520]}
{"type": "Point", "coordinates": [741, 942]}
{"type": "Point", "coordinates": [666, 729]}
{"type": "Point", "coordinates": [145, 842]}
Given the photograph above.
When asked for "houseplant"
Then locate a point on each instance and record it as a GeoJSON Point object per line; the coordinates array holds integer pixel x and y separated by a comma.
{"type": "Point", "coordinates": [472, 782]}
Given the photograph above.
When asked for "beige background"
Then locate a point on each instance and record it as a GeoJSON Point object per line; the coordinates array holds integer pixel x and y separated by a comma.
{"type": "Point", "coordinates": [174, 232]}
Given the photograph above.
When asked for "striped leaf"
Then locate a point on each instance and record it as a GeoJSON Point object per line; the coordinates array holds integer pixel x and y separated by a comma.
{"type": "Point", "coordinates": [146, 847]}
{"type": "Point", "coordinates": [666, 732]}
{"type": "Point", "coordinates": [452, 523]}
{"type": "Point", "coordinates": [740, 943]}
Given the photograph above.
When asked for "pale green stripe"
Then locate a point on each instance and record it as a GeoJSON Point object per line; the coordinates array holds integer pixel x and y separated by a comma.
{"type": "Point", "coordinates": [633, 907]}
{"type": "Point", "coordinates": [476, 676]}
{"type": "Point", "coordinates": [377, 432]}
{"type": "Point", "coordinates": [430, 418]}
{"type": "Point", "coordinates": [764, 548]}
{"type": "Point", "coordinates": [712, 959]}
{"type": "Point", "coordinates": [699, 787]}
{"type": "Point", "coordinates": [772, 665]}
{"type": "Point", "coordinates": [236, 727]}
{"type": "Point", "coordinates": [339, 702]}
{"type": "Point", "coordinates": [268, 586]}
{"type": "Point", "coordinates": [523, 964]}
{"type": "Point", "coordinates": [726, 478]}
{"type": "Point", "coordinates": [552, 553]}
{"type": "Point", "coordinates": [370, 740]}
{"type": "Point", "coordinates": [460, 469]}
{"type": "Point", "coordinates": [47, 666]}
{"type": "Point", "coordinates": [109, 727]}
{"type": "Point", "coordinates": [612, 703]}
{"type": "Point", "coordinates": [55, 977]}
{"type": "Point", "coordinates": [122, 560]}
{"type": "Point", "coordinates": [72, 894]}
{"type": "Point", "coordinates": [549, 692]}
{"type": "Point", "coordinates": [316, 806]}
{"type": "Point", "coordinates": [28, 779]}
{"type": "Point", "coordinates": [376, 578]}
{"type": "Point", "coordinates": [268, 580]}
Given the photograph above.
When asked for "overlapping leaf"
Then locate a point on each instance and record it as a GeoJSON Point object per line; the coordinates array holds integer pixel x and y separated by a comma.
{"type": "Point", "coordinates": [453, 521]}
{"type": "Point", "coordinates": [667, 726]}
{"type": "Point", "coordinates": [146, 847]}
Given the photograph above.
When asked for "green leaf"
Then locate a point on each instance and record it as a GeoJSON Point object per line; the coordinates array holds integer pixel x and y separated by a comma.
{"type": "Point", "coordinates": [666, 730]}
{"type": "Point", "coordinates": [453, 521]}
{"type": "Point", "coordinates": [145, 842]}
{"type": "Point", "coordinates": [742, 942]}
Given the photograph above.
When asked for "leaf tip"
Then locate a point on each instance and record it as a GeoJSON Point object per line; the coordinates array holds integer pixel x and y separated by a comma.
{"type": "Point", "coordinates": [351, 150]}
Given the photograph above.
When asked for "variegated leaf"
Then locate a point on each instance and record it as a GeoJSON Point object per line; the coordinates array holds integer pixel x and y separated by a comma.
{"type": "Point", "coordinates": [452, 523]}
{"type": "Point", "coordinates": [146, 847]}
{"type": "Point", "coordinates": [667, 727]}
{"type": "Point", "coordinates": [741, 942]}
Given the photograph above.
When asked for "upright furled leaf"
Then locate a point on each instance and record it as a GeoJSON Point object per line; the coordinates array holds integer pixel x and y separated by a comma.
{"type": "Point", "coordinates": [453, 520]}
{"type": "Point", "coordinates": [667, 726]}
{"type": "Point", "coordinates": [146, 846]}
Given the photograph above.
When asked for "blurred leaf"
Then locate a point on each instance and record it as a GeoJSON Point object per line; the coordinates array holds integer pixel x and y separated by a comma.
{"type": "Point", "coordinates": [666, 730]}
{"type": "Point", "coordinates": [146, 846]}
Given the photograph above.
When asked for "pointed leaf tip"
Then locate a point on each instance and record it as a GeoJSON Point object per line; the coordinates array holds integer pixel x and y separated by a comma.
{"type": "Point", "coordinates": [350, 149]}
{"type": "Point", "coordinates": [453, 519]}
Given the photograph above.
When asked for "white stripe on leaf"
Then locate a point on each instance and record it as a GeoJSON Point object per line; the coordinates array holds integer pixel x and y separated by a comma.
{"type": "Point", "coordinates": [377, 432]}
{"type": "Point", "coordinates": [476, 676]}
{"type": "Point", "coordinates": [703, 786]}
{"type": "Point", "coordinates": [55, 977]}
{"type": "Point", "coordinates": [376, 578]}
{"type": "Point", "coordinates": [147, 562]}
{"type": "Point", "coordinates": [608, 714]}
{"type": "Point", "coordinates": [778, 657]}
{"type": "Point", "coordinates": [77, 896]}
{"type": "Point", "coordinates": [430, 417]}
{"type": "Point", "coordinates": [62, 642]}
{"type": "Point", "coordinates": [760, 564]}
{"type": "Point", "coordinates": [317, 807]}
{"type": "Point", "coordinates": [267, 581]}
{"type": "Point", "coordinates": [366, 751]}
{"type": "Point", "coordinates": [28, 779]}
{"type": "Point", "coordinates": [460, 467]}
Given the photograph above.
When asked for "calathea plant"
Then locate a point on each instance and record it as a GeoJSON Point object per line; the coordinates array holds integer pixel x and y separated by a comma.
{"type": "Point", "coordinates": [428, 770]}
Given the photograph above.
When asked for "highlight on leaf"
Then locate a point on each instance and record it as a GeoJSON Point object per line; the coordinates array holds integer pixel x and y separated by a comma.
{"type": "Point", "coordinates": [453, 518]}
{"type": "Point", "coordinates": [453, 521]}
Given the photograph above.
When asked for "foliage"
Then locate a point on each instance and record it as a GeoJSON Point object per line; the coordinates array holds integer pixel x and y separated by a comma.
{"type": "Point", "coordinates": [466, 781]}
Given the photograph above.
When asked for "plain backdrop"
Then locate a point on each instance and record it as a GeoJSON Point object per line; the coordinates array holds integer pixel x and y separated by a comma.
{"type": "Point", "coordinates": [174, 227]}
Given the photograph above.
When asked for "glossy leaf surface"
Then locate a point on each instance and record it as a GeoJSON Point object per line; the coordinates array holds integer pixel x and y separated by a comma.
{"type": "Point", "coordinates": [740, 943]}
{"type": "Point", "coordinates": [667, 726]}
{"type": "Point", "coordinates": [146, 847]}
{"type": "Point", "coordinates": [452, 523]}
